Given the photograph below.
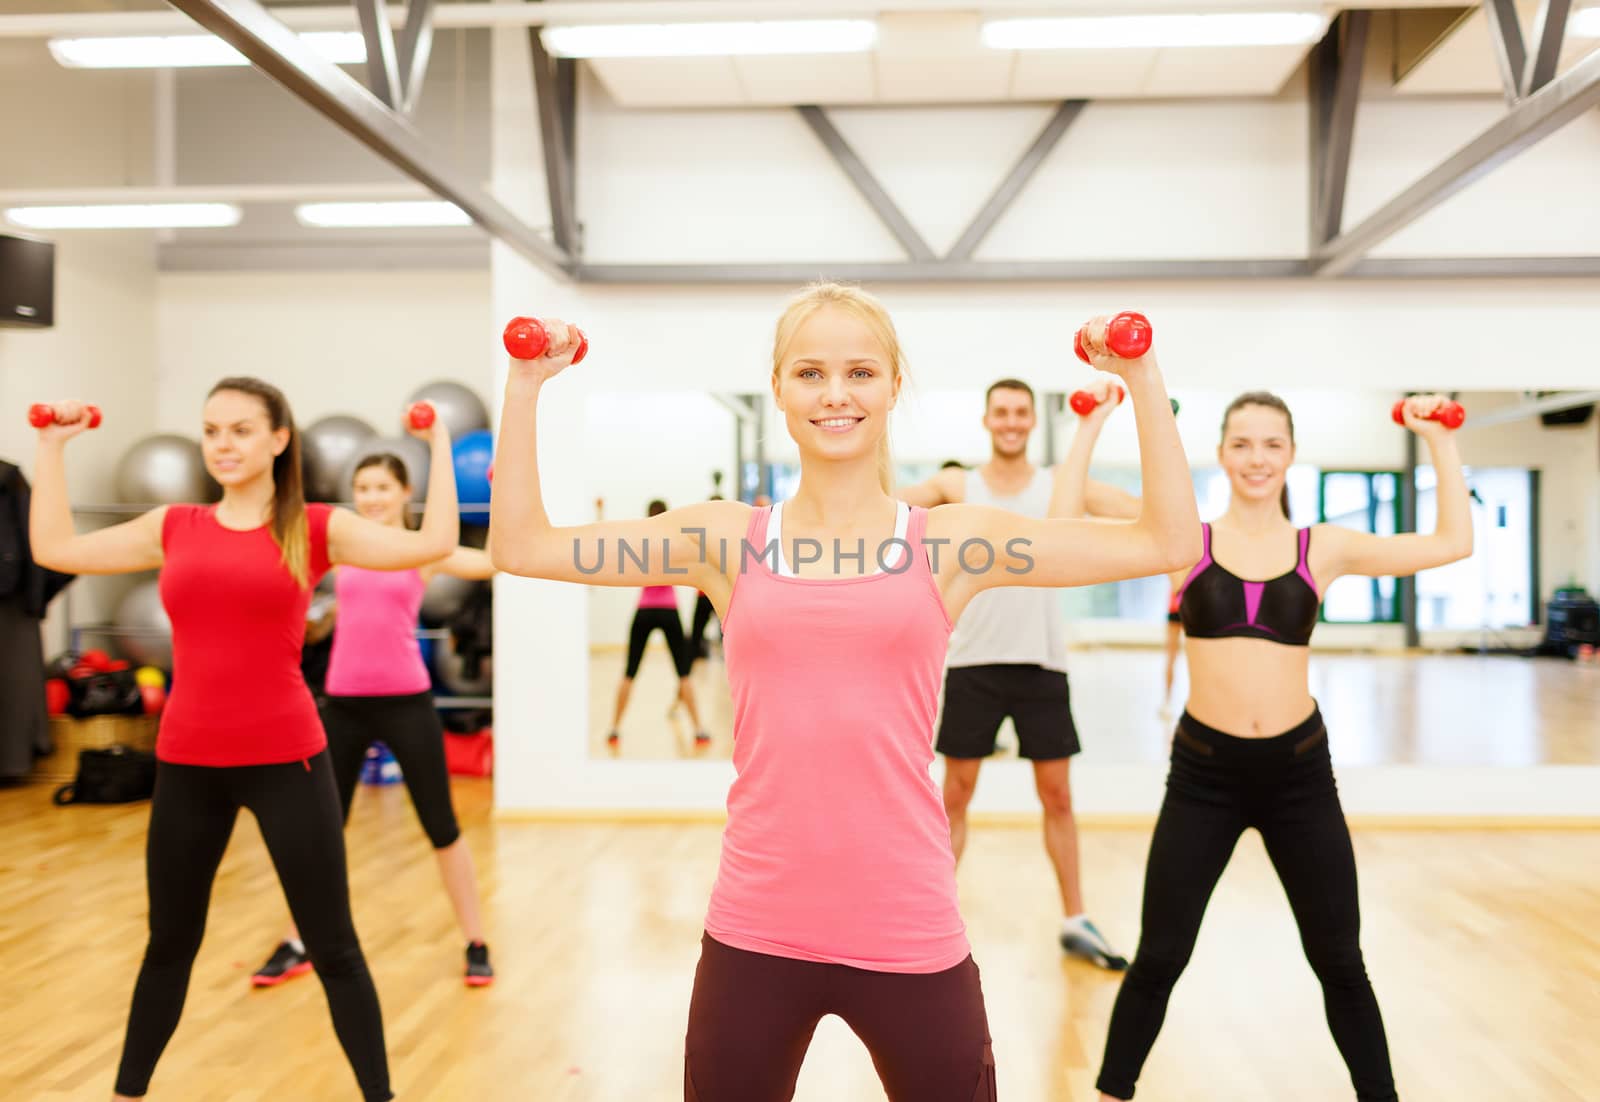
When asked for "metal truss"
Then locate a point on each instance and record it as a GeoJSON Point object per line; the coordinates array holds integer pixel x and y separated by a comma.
{"type": "Point", "coordinates": [1540, 104]}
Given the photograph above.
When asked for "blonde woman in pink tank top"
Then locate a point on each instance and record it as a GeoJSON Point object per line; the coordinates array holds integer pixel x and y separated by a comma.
{"type": "Point", "coordinates": [836, 892]}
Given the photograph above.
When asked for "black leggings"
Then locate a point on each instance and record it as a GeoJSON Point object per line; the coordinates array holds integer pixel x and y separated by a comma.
{"type": "Point", "coordinates": [1219, 786]}
{"type": "Point", "coordinates": [752, 1015]}
{"type": "Point", "coordinates": [190, 821]}
{"type": "Point", "coordinates": [646, 620]}
{"type": "Point", "coordinates": [409, 726]}
{"type": "Point", "coordinates": [704, 612]}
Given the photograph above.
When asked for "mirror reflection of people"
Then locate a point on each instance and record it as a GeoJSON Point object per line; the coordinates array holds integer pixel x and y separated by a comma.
{"type": "Point", "coordinates": [657, 610]}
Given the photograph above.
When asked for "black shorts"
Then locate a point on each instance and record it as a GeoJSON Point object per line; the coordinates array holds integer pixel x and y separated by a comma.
{"type": "Point", "coordinates": [977, 698]}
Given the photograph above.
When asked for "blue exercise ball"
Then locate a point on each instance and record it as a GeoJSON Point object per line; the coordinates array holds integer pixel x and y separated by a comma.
{"type": "Point", "coordinates": [472, 454]}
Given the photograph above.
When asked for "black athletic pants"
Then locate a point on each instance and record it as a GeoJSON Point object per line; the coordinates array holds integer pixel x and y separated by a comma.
{"type": "Point", "coordinates": [190, 821]}
{"type": "Point", "coordinates": [1219, 786]}
{"type": "Point", "coordinates": [409, 726]}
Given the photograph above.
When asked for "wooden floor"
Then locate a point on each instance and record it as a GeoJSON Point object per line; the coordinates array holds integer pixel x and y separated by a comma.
{"type": "Point", "coordinates": [1485, 950]}
{"type": "Point", "coordinates": [1381, 709]}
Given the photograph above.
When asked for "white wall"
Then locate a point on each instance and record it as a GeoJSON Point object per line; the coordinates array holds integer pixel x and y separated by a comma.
{"type": "Point", "coordinates": [101, 350]}
{"type": "Point", "coordinates": [333, 342]}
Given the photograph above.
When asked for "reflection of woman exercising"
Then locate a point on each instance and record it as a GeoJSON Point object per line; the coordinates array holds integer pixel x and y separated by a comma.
{"type": "Point", "coordinates": [378, 689]}
{"type": "Point", "coordinates": [658, 609]}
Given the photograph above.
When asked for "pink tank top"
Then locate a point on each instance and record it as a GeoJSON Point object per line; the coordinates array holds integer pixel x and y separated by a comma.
{"type": "Point", "coordinates": [658, 596]}
{"type": "Point", "coordinates": [837, 848]}
{"type": "Point", "coordinates": [375, 651]}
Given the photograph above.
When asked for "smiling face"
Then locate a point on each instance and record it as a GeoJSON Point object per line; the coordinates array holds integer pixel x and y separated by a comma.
{"type": "Point", "coordinates": [238, 440]}
{"type": "Point", "coordinates": [379, 494]}
{"type": "Point", "coordinates": [1256, 452]}
{"type": "Point", "coordinates": [1010, 419]}
{"type": "Point", "coordinates": [836, 382]}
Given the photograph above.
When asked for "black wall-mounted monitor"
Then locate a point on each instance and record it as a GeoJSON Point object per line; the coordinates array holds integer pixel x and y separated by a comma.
{"type": "Point", "coordinates": [27, 282]}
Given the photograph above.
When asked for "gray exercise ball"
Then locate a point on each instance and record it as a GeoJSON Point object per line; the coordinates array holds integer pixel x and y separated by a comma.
{"type": "Point", "coordinates": [165, 470]}
{"type": "Point", "coordinates": [326, 448]}
{"type": "Point", "coordinates": [412, 452]}
{"type": "Point", "coordinates": [447, 667]}
{"type": "Point", "coordinates": [140, 614]}
{"type": "Point", "coordinates": [459, 408]}
{"type": "Point", "coordinates": [443, 597]}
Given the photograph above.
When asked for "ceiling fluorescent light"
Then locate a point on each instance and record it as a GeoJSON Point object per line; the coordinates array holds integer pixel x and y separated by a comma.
{"type": "Point", "coordinates": [372, 215]}
{"type": "Point", "coordinates": [188, 51]}
{"type": "Point", "coordinates": [808, 36]}
{"type": "Point", "coordinates": [1149, 32]}
{"type": "Point", "coordinates": [1585, 24]}
{"type": "Point", "coordinates": [127, 216]}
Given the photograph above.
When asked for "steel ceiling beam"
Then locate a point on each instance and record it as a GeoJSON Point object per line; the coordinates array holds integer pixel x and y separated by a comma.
{"type": "Point", "coordinates": [279, 53]}
{"type": "Point", "coordinates": [555, 82]}
{"type": "Point", "coordinates": [867, 184]}
{"type": "Point", "coordinates": [1017, 179]}
{"type": "Point", "coordinates": [1549, 35]}
{"type": "Point", "coordinates": [1510, 52]}
{"type": "Point", "coordinates": [415, 46]}
{"type": "Point", "coordinates": [1335, 91]}
{"type": "Point", "coordinates": [1529, 122]}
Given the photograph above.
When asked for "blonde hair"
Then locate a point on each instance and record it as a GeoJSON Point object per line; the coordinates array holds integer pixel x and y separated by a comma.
{"type": "Point", "coordinates": [863, 307]}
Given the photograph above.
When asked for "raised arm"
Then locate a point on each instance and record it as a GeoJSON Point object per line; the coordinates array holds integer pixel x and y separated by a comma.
{"type": "Point", "coordinates": [1067, 552]}
{"type": "Point", "coordinates": [467, 563]}
{"type": "Point", "coordinates": [697, 545]}
{"type": "Point", "coordinates": [124, 548]}
{"type": "Point", "coordinates": [355, 540]}
{"type": "Point", "coordinates": [1339, 551]}
{"type": "Point", "coordinates": [947, 487]}
{"type": "Point", "coordinates": [1073, 492]}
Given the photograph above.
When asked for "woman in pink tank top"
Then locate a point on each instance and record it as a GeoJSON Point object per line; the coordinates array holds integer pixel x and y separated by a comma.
{"type": "Point", "coordinates": [378, 689]}
{"type": "Point", "coordinates": [657, 610]}
{"type": "Point", "coordinates": [836, 892]}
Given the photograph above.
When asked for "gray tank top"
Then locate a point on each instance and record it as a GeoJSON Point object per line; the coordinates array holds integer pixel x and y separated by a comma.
{"type": "Point", "coordinates": [1012, 625]}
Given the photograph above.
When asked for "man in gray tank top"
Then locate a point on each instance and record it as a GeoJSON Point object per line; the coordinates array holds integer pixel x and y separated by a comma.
{"type": "Point", "coordinates": [1008, 658]}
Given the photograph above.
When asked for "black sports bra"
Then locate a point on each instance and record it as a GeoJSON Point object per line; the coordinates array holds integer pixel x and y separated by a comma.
{"type": "Point", "coordinates": [1215, 603]}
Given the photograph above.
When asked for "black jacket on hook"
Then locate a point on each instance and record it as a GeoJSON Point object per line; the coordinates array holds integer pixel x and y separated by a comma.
{"type": "Point", "coordinates": [26, 589]}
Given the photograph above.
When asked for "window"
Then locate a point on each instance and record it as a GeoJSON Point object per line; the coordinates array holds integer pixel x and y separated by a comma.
{"type": "Point", "coordinates": [1368, 501]}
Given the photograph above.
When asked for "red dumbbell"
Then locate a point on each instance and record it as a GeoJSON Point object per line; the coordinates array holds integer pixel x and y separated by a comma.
{"type": "Point", "coordinates": [421, 415]}
{"type": "Point", "coordinates": [41, 415]}
{"type": "Point", "coordinates": [1452, 415]}
{"type": "Point", "coordinates": [1083, 403]}
{"type": "Point", "coordinates": [1128, 336]}
{"type": "Point", "coordinates": [528, 339]}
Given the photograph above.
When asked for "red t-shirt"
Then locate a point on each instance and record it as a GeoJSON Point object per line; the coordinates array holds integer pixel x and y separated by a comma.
{"type": "Point", "coordinates": [238, 623]}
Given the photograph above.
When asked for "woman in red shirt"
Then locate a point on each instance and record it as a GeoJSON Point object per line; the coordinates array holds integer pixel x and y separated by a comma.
{"type": "Point", "coordinates": [240, 728]}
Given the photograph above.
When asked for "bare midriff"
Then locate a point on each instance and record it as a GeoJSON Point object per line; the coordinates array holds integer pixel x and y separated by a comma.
{"type": "Point", "coordinates": [1249, 688]}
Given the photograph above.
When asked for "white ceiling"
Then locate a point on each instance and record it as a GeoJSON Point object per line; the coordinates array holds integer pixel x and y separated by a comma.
{"type": "Point", "coordinates": [937, 58]}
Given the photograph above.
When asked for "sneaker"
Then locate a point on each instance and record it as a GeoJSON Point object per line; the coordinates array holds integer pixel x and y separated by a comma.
{"type": "Point", "coordinates": [479, 972]}
{"type": "Point", "coordinates": [286, 963]}
{"type": "Point", "coordinates": [1087, 942]}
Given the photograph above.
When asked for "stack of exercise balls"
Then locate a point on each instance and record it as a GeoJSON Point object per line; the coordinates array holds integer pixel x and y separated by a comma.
{"type": "Point", "coordinates": [331, 449]}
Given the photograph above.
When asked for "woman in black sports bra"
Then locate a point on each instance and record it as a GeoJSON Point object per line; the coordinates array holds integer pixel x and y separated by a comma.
{"type": "Point", "coordinates": [1250, 749]}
